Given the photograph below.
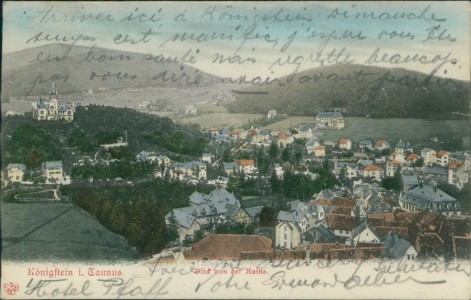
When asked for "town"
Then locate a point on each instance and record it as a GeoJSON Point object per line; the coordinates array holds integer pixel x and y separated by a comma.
{"type": "Point", "coordinates": [254, 193]}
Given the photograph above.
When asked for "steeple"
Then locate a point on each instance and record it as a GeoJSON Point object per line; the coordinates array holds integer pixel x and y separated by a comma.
{"type": "Point", "coordinates": [53, 93]}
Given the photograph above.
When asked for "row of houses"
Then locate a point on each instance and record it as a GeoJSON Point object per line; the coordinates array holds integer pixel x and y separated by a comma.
{"type": "Point", "coordinates": [52, 170]}
{"type": "Point", "coordinates": [371, 218]}
{"type": "Point", "coordinates": [453, 168]}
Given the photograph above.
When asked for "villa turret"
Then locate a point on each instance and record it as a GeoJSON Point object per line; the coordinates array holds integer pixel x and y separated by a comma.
{"type": "Point", "coordinates": [51, 110]}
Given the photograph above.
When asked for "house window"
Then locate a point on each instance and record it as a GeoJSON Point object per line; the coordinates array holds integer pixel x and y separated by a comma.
{"type": "Point", "coordinates": [285, 236]}
{"type": "Point", "coordinates": [285, 228]}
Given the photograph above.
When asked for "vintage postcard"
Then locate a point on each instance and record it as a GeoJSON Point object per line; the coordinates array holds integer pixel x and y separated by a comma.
{"type": "Point", "coordinates": [239, 150]}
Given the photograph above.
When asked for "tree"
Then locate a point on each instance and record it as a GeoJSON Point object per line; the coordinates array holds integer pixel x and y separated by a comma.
{"type": "Point", "coordinates": [297, 157]}
{"type": "Point", "coordinates": [226, 156]}
{"type": "Point", "coordinates": [275, 183]}
{"type": "Point", "coordinates": [267, 217]}
{"type": "Point", "coordinates": [263, 163]}
{"type": "Point", "coordinates": [343, 174]}
{"type": "Point", "coordinates": [285, 155]}
{"type": "Point", "coordinates": [118, 218]}
{"type": "Point", "coordinates": [273, 151]}
{"type": "Point", "coordinates": [394, 183]}
{"type": "Point", "coordinates": [419, 163]}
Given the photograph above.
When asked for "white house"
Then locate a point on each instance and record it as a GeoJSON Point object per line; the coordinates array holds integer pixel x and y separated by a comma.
{"type": "Point", "coordinates": [364, 233]}
{"type": "Point", "coordinates": [311, 146]}
{"type": "Point", "coordinates": [330, 120]}
{"type": "Point", "coordinates": [271, 114]}
{"type": "Point", "coordinates": [381, 145]}
{"type": "Point", "coordinates": [373, 171]}
{"type": "Point", "coordinates": [319, 151]}
{"type": "Point", "coordinates": [207, 157]}
{"type": "Point", "coordinates": [290, 227]}
{"type": "Point", "coordinates": [246, 165]}
{"type": "Point", "coordinates": [146, 156]}
{"type": "Point", "coordinates": [443, 158]}
{"type": "Point", "coordinates": [304, 132]}
{"type": "Point", "coordinates": [457, 174]}
{"type": "Point", "coordinates": [429, 156]}
{"type": "Point", "coordinates": [54, 171]}
{"type": "Point", "coordinates": [345, 144]}
{"type": "Point", "coordinates": [278, 171]}
{"type": "Point", "coordinates": [284, 140]}
{"type": "Point", "coordinates": [163, 159]}
{"type": "Point", "coordinates": [391, 167]}
{"type": "Point", "coordinates": [288, 235]}
{"type": "Point", "coordinates": [15, 172]}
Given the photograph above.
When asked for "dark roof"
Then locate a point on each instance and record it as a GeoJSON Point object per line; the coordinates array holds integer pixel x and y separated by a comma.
{"type": "Point", "coordinates": [395, 247]}
{"type": "Point", "coordinates": [428, 197]}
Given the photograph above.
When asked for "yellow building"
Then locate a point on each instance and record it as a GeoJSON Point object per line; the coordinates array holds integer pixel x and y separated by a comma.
{"type": "Point", "coordinates": [16, 172]}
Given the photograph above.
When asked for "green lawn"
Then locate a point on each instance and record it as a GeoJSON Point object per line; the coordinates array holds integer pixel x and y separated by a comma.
{"type": "Point", "coordinates": [36, 195]}
{"type": "Point", "coordinates": [291, 122]}
{"type": "Point", "coordinates": [220, 119]}
{"type": "Point", "coordinates": [58, 231]}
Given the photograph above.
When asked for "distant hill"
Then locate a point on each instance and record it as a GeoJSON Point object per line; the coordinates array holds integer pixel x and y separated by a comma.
{"type": "Point", "coordinates": [404, 94]}
{"type": "Point", "coordinates": [20, 71]}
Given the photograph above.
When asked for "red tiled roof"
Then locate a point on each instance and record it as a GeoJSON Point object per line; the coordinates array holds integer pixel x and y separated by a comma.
{"type": "Point", "coordinates": [344, 141]}
{"type": "Point", "coordinates": [412, 156]}
{"type": "Point", "coordinates": [342, 210]}
{"type": "Point", "coordinates": [373, 168]}
{"type": "Point", "coordinates": [282, 136]}
{"type": "Point", "coordinates": [245, 162]}
{"type": "Point", "coordinates": [387, 217]}
{"type": "Point", "coordinates": [227, 246]}
{"type": "Point", "coordinates": [340, 222]}
{"type": "Point", "coordinates": [336, 201]}
{"type": "Point", "coordinates": [379, 143]}
{"type": "Point", "coordinates": [454, 165]}
{"type": "Point", "coordinates": [320, 148]}
{"type": "Point", "coordinates": [442, 153]}
{"type": "Point", "coordinates": [236, 132]}
{"type": "Point", "coordinates": [384, 230]}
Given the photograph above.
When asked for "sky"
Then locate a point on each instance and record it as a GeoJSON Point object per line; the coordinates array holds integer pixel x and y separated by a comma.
{"type": "Point", "coordinates": [268, 39]}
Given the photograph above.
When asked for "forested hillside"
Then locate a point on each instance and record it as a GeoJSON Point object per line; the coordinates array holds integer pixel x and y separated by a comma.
{"type": "Point", "coordinates": [28, 141]}
{"type": "Point", "coordinates": [359, 91]}
{"type": "Point", "coordinates": [136, 212]}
